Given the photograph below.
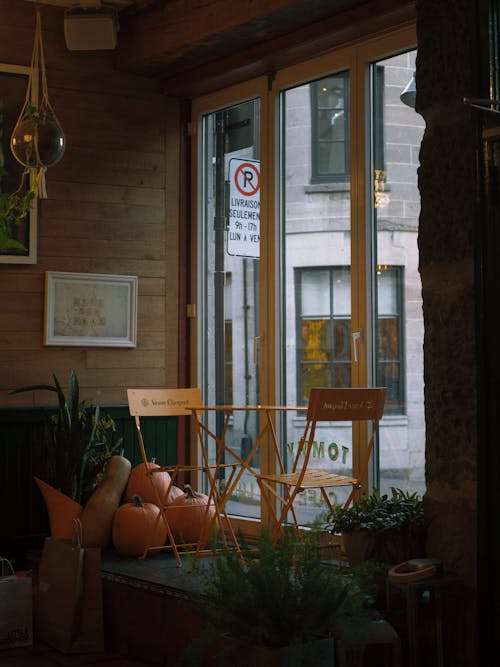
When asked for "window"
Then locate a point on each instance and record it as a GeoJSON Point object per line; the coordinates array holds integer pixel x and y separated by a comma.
{"type": "Point", "coordinates": [323, 328]}
{"type": "Point", "coordinates": [378, 92]}
{"type": "Point", "coordinates": [390, 367]}
{"type": "Point", "coordinates": [324, 331]}
{"type": "Point", "coordinates": [330, 128]}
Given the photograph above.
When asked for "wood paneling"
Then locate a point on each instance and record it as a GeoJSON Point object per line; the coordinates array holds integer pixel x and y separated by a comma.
{"type": "Point", "coordinates": [106, 212]}
{"type": "Point", "coordinates": [21, 458]}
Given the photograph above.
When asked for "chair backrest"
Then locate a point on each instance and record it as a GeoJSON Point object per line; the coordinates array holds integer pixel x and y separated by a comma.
{"type": "Point", "coordinates": [353, 404]}
{"type": "Point", "coordinates": [331, 404]}
{"type": "Point", "coordinates": [163, 402]}
{"type": "Point", "coordinates": [160, 403]}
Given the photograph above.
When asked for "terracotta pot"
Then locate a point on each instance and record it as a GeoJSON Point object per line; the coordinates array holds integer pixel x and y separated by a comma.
{"type": "Point", "coordinates": [389, 546]}
{"type": "Point", "coordinates": [398, 545]}
{"type": "Point", "coordinates": [359, 546]}
{"type": "Point", "coordinates": [61, 510]}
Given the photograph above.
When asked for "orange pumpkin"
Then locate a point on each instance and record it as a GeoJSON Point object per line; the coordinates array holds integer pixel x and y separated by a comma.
{"type": "Point", "coordinates": [191, 517]}
{"type": "Point", "coordinates": [141, 483]}
{"type": "Point", "coordinates": [137, 525]}
{"type": "Point", "coordinates": [175, 492]}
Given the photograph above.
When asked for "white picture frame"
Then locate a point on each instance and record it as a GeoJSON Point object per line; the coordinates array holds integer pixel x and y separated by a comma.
{"type": "Point", "coordinates": [90, 309]}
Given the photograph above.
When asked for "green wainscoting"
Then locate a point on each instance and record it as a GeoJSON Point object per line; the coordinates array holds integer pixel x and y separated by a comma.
{"type": "Point", "coordinates": [23, 518]}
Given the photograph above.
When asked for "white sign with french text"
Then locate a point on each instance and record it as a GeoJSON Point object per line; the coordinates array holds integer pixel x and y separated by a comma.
{"type": "Point", "coordinates": [243, 234]}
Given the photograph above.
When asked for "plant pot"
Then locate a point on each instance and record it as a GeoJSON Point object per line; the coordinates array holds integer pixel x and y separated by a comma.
{"type": "Point", "coordinates": [319, 652]}
{"type": "Point", "coordinates": [61, 510]}
{"type": "Point", "coordinates": [359, 546]}
{"type": "Point", "coordinates": [400, 544]}
{"type": "Point", "coordinates": [388, 546]}
{"type": "Point", "coordinates": [329, 546]}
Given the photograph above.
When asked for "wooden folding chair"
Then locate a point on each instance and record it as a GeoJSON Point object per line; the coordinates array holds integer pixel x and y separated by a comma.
{"type": "Point", "coordinates": [178, 402]}
{"type": "Point", "coordinates": [325, 405]}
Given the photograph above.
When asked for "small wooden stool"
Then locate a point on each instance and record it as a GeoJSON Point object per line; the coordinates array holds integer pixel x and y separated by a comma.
{"type": "Point", "coordinates": [428, 610]}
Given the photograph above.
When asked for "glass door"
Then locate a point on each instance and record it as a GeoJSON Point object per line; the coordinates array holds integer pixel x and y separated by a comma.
{"type": "Point", "coordinates": [320, 336]}
{"type": "Point", "coordinates": [307, 262]}
{"type": "Point", "coordinates": [351, 310]}
{"type": "Point", "coordinates": [229, 252]}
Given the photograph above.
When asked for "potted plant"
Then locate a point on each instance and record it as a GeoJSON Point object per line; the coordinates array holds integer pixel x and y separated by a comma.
{"type": "Point", "coordinates": [78, 443]}
{"type": "Point", "coordinates": [381, 527]}
{"type": "Point", "coordinates": [278, 606]}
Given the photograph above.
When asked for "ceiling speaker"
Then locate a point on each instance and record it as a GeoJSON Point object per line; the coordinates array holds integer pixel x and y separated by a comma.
{"type": "Point", "coordinates": [90, 29]}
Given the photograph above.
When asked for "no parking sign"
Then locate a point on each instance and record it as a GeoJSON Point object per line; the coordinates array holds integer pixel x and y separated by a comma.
{"type": "Point", "coordinates": [243, 236]}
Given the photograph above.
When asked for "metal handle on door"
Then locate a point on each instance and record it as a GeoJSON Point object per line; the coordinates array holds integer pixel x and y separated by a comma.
{"type": "Point", "coordinates": [256, 348]}
{"type": "Point", "coordinates": [356, 339]}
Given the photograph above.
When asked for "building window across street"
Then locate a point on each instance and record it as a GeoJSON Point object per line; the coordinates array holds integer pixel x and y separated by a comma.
{"type": "Point", "coordinates": [330, 129]}
{"type": "Point", "coordinates": [324, 331]}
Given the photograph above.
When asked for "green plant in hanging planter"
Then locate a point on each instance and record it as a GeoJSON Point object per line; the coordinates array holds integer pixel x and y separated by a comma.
{"type": "Point", "coordinates": [78, 441]}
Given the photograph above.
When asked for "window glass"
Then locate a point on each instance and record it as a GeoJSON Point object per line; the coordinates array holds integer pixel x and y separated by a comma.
{"type": "Point", "coordinates": [229, 316]}
{"type": "Point", "coordinates": [316, 266]}
{"type": "Point", "coordinates": [397, 132]}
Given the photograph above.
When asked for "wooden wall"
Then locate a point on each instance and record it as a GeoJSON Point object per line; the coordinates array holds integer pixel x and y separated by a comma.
{"type": "Point", "coordinates": [112, 207]}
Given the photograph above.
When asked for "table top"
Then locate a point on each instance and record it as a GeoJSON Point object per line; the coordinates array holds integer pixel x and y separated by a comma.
{"type": "Point", "coordinates": [230, 408]}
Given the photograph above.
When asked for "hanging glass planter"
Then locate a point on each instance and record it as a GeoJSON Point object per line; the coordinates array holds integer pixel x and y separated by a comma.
{"type": "Point", "coordinates": [38, 140]}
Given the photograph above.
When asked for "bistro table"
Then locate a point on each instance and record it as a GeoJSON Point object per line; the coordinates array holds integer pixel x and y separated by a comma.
{"type": "Point", "coordinates": [267, 429]}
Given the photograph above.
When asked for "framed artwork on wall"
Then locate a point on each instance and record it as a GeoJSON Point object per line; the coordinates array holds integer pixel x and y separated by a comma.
{"type": "Point", "coordinates": [18, 228]}
{"type": "Point", "coordinates": [90, 309]}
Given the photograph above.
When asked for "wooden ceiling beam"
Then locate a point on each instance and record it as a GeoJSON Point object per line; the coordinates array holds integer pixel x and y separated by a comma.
{"type": "Point", "coordinates": [183, 34]}
{"type": "Point", "coordinates": [270, 56]}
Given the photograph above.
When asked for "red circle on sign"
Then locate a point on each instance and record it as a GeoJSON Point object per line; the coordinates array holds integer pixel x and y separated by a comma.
{"type": "Point", "coordinates": [242, 169]}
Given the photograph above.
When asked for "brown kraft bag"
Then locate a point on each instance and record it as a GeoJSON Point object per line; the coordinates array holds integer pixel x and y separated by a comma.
{"type": "Point", "coordinates": [69, 615]}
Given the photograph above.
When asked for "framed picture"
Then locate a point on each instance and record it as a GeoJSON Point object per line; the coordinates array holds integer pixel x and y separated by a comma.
{"type": "Point", "coordinates": [90, 309]}
{"type": "Point", "coordinates": [18, 234]}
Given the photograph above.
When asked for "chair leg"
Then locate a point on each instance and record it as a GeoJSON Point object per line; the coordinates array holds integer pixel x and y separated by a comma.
{"type": "Point", "coordinates": [355, 489]}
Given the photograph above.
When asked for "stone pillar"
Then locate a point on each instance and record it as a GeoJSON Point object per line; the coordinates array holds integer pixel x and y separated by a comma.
{"type": "Point", "coordinates": [446, 64]}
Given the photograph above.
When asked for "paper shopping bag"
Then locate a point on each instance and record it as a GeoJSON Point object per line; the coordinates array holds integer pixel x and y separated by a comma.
{"type": "Point", "coordinates": [69, 615]}
{"type": "Point", "coordinates": [16, 608]}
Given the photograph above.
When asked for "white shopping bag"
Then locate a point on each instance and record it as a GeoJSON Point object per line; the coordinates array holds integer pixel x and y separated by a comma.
{"type": "Point", "coordinates": [16, 607]}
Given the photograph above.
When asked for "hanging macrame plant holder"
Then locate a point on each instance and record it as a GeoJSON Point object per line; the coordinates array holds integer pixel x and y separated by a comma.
{"type": "Point", "coordinates": [38, 141]}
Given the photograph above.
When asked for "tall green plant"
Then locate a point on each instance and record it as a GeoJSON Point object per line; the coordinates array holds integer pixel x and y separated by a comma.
{"type": "Point", "coordinates": [281, 595]}
{"type": "Point", "coordinates": [78, 440]}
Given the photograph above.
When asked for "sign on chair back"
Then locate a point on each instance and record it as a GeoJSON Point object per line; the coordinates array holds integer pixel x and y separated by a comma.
{"type": "Point", "coordinates": [162, 402]}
